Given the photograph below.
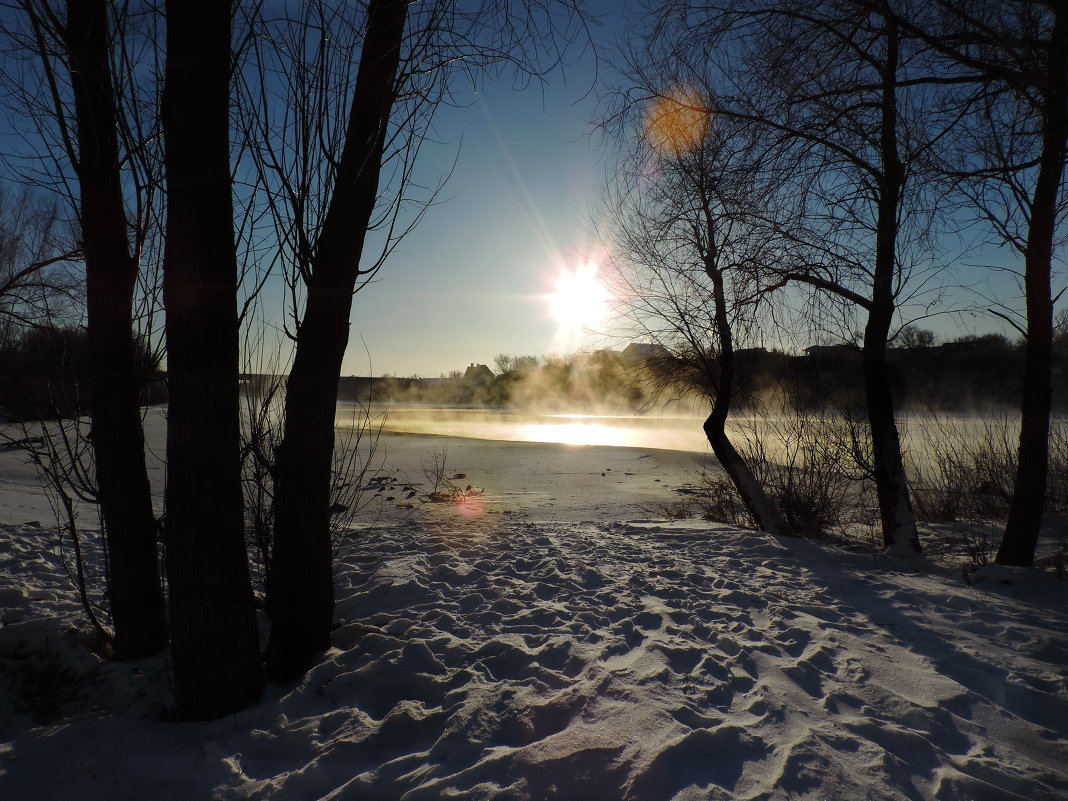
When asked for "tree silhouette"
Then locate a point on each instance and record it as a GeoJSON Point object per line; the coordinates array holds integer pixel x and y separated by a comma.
{"type": "Point", "coordinates": [70, 56]}
{"type": "Point", "coordinates": [336, 166]}
{"type": "Point", "coordinates": [214, 636]}
{"type": "Point", "coordinates": [1009, 167]}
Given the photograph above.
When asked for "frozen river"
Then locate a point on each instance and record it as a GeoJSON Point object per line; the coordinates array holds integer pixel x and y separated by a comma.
{"type": "Point", "coordinates": [781, 438]}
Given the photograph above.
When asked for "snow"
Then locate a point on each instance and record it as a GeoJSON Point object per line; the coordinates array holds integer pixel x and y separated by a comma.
{"type": "Point", "coordinates": [558, 653]}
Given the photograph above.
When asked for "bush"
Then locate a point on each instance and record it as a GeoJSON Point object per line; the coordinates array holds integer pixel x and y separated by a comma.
{"type": "Point", "coordinates": [355, 469]}
{"type": "Point", "coordinates": [43, 685]}
{"type": "Point", "coordinates": [961, 468]}
{"type": "Point", "coordinates": [716, 498]}
{"type": "Point", "coordinates": [808, 465]}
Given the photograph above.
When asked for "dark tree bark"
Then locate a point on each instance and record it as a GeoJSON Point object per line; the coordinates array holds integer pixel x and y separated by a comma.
{"type": "Point", "coordinates": [882, 176]}
{"type": "Point", "coordinates": [124, 493]}
{"type": "Point", "coordinates": [1029, 493]}
{"type": "Point", "coordinates": [300, 596]}
{"type": "Point", "coordinates": [214, 636]}
{"type": "Point", "coordinates": [895, 507]}
{"type": "Point", "coordinates": [756, 500]}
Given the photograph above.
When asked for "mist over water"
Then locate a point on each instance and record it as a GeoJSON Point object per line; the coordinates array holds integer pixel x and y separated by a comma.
{"type": "Point", "coordinates": [780, 438]}
{"type": "Point", "coordinates": [665, 432]}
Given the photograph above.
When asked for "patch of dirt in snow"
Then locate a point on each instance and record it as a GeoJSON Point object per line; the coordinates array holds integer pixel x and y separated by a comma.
{"type": "Point", "coordinates": [640, 661]}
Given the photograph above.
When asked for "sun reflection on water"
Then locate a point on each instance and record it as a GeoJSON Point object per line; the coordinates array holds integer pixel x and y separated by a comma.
{"type": "Point", "coordinates": [578, 434]}
{"type": "Point", "coordinates": [614, 430]}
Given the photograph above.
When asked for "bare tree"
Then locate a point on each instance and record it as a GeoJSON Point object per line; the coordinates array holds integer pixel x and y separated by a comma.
{"type": "Point", "coordinates": [1009, 166]}
{"type": "Point", "coordinates": [39, 286]}
{"type": "Point", "coordinates": [300, 595]}
{"type": "Point", "coordinates": [688, 256]}
{"type": "Point", "coordinates": [849, 108]}
{"type": "Point", "coordinates": [336, 165]}
{"type": "Point", "coordinates": [94, 155]}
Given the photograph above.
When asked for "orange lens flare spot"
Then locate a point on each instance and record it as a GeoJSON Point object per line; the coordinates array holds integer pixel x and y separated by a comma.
{"type": "Point", "coordinates": [677, 121]}
{"type": "Point", "coordinates": [470, 504]}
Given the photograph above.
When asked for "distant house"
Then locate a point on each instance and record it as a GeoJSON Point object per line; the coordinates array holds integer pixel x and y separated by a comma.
{"type": "Point", "coordinates": [478, 374]}
{"type": "Point", "coordinates": [644, 353]}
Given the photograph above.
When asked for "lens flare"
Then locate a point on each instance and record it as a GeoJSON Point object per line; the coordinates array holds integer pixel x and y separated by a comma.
{"type": "Point", "coordinates": [470, 504]}
{"type": "Point", "coordinates": [676, 121]}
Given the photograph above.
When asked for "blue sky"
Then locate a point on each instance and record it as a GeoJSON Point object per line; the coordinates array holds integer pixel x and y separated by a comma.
{"type": "Point", "coordinates": [471, 280]}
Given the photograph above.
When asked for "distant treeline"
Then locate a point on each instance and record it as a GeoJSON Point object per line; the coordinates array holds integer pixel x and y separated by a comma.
{"type": "Point", "coordinates": [965, 374]}
{"type": "Point", "coordinates": [45, 375]}
{"type": "Point", "coordinates": [582, 380]}
{"type": "Point", "coordinates": [970, 373]}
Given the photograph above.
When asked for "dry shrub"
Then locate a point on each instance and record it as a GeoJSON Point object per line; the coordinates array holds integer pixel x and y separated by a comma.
{"type": "Point", "coordinates": [435, 469]}
{"type": "Point", "coordinates": [1057, 480]}
{"type": "Point", "coordinates": [961, 469]}
{"type": "Point", "coordinates": [43, 685]}
{"type": "Point", "coordinates": [354, 474]}
{"type": "Point", "coordinates": [808, 463]}
{"type": "Point", "coordinates": [816, 467]}
{"type": "Point", "coordinates": [716, 498]}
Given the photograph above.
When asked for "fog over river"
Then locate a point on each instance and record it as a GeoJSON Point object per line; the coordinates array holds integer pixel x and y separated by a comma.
{"type": "Point", "coordinates": [781, 437]}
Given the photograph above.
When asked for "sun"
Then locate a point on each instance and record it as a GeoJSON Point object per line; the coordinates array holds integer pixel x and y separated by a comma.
{"type": "Point", "coordinates": [580, 301]}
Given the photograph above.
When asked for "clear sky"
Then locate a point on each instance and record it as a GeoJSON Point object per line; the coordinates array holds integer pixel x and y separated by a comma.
{"type": "Point", "coordinates": [477, 277]}
{"type": "Point", "coordinates": [473, 280]}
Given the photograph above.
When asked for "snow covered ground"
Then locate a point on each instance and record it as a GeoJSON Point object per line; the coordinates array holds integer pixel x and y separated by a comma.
{"type": "Point", "coordinates": [534, 647]}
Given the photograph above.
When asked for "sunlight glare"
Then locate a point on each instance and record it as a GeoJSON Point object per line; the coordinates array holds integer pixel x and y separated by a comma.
{"type": "Point", "coordinates": [580, 300]}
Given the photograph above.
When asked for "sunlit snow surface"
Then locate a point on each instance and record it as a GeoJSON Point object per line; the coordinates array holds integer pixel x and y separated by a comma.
{"type": "Point", "coordinates": [507, 659]}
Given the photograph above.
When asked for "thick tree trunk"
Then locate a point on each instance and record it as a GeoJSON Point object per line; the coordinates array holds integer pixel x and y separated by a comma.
{"type": "Point", "coordinates": [1029, 492]}
{"type": "Point", "coordinates": [756, 500]}
{"type": "Point", "coordinates": [124, 494]}
{"type": "Point", "coordinates": [300, 593]}
{"type": "Point", "coordinates": [760, 507]}
{"type": "Point", "coordinates": [300, 590]}
{"type": "Point", "coordinates": [895, 508]}
{"type": "Point", "coordinates": [214, 636]}
{"type": "Point", "coordinates": [891, 486]}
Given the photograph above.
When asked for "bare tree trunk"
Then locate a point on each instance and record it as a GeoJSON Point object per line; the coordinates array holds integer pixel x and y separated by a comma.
{"type": "Point", "coordinates": [300, 593]}
{"type": "Point", "coordinates": [891, 485]}
{"type": "Point", "coordinates": [895, 508]}
{"type": "Point", "coordinates": [1029, 492]}
{"type": "Point", "coordinates": [124, 492]}
{"type": "Point", "coordinates": [214, 636]}
{"type": "Point", "coordinates": [756, 500]}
